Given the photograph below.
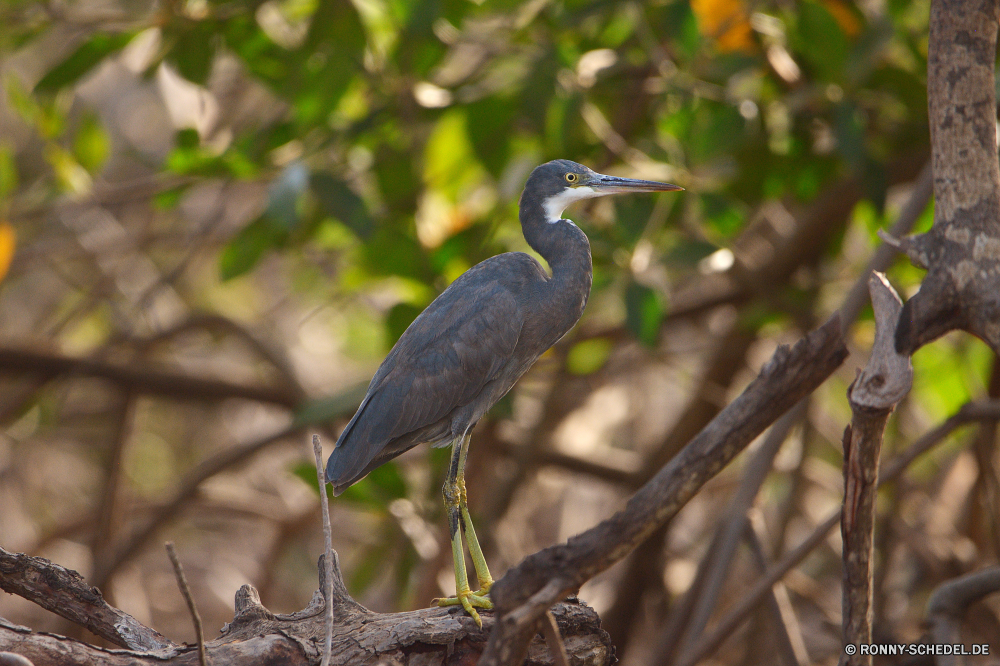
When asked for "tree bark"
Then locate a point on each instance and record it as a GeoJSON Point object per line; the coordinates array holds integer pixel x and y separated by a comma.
{"type": "Point", "coordinates": [874, 394]}
{"type": "Point", "coordinates": [961, 252]}
{"type": "Point", "coordinates": [425, 637]}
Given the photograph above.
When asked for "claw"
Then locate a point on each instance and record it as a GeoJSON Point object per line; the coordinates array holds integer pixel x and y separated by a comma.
{"type": "Point", "coordinates": [469, 601]}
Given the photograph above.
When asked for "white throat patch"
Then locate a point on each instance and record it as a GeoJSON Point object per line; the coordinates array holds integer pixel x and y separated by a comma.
{"type": "Point", "coordinates": [555, 205]}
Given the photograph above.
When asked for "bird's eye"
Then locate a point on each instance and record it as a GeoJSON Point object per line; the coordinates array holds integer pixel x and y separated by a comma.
{"type": "Point", "coordinates": [571, 178]}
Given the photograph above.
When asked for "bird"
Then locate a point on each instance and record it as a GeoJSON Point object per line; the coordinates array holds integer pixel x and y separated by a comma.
{"type": "Point", "coordinates": [467, 349]}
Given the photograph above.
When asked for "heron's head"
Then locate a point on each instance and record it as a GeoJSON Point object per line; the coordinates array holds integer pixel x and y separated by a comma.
{"type": "Point", "coordinates": [557, 184]}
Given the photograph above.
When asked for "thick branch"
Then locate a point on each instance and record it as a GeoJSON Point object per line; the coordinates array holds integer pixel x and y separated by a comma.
{"type": "Point", "coordinates": [525, 592]}
{"type": "Point", "coordinates": [360, 637]}
{"type": "Point", "coordinates": [64, 592]}
{"type": "Point", "coordinates": [962, 250]}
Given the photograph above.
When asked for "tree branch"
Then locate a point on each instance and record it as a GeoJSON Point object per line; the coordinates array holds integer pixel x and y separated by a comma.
{"type": "Point", "coordinates": [64, 592]}
{"type": "Point", "coordinates": [141, 379]}
{"type": "Point", "coordinates": [541, 579]}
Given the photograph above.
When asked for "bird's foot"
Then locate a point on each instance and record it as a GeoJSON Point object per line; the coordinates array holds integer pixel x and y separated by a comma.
{"type": "Point", "coordinates": [470, 601]}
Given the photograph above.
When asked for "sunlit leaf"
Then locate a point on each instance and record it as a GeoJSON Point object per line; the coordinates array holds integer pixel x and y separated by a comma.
{"type": "Point", "coordinates": [8, 242]}
{"type": "Point", "coordinates": [8, 171]}
{"type": "Point", "coordinates": [91, 144]}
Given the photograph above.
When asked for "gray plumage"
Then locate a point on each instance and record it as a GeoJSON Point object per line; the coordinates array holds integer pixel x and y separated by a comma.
{"type": "Point", "coordinates": [473, 342]}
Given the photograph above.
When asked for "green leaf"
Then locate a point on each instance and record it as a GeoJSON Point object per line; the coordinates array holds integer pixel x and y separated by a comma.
{"type": "Point", "coordinates": [324, 410]}
{"type": "Point", "coordinates": [643, 313]}
{"type": "Point", "coordinates": [8, 171]}
{"type": "Point", "coordinates": [589, 356]}
{"type": "Point", "coordinates": [82, 60]}
{"type": "Point", "coordinates": [382, 485]}
{"type": "Point", "coordinates": [822, 41]}
{"type": "Point", "coordinates": [245, 250]}
{"type": "Point", "coordinates": [400, 317]}
{"type": "Point", "coordinates": [194, 50]}
{"type": "Point", "coordinates": [339, 201]}
{"type": "Point", "coordinates": [91, 144]}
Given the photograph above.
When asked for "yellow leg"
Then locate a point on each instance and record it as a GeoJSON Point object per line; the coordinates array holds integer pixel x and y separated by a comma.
{"type": "Point", "coordinates": [458, 512]}
{"type": "Point", "coordinates": [478, 559]}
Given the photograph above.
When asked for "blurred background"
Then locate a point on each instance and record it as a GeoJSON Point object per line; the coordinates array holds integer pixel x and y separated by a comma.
{"type": "Point", "coordinates": [216, 217]}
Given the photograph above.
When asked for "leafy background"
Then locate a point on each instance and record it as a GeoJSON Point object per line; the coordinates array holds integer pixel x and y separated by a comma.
{"type": "Point", "coordinates": [265, 194]}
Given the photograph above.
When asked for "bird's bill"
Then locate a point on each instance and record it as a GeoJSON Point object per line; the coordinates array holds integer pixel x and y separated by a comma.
{"type": "Point", "coordinates": [614, 185]}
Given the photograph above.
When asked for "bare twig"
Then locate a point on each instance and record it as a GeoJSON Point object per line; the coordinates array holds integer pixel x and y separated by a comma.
{"type": "Point", "coordinates": [328, 543]}
{"type": "Point", "coordinates": [189, 600]}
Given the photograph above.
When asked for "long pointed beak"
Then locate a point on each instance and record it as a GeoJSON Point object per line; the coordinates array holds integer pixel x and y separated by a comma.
{"type": "Point", "coordinates": [614, 185]}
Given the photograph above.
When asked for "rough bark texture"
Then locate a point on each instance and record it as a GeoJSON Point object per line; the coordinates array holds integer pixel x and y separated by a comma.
{"type": "Point", "coordinates": [885, 380]}
{"type": "Point", "coordinates": [522, 595]}
{"type": "Point", "coordinates": [426, 637]}
{"type": "Point", "coordinates": [962, 250]}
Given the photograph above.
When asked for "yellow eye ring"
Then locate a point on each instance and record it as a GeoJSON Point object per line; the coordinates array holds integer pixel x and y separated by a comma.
{"type": "Point", "coordinates": [571, 178]}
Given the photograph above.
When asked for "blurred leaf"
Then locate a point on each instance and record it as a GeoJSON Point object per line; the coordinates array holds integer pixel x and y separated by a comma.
{"type": "Point", "coordinates": [400, 317]}
{"type": "Point", "coordinates": [244, 251]}
{"type": "Point", "coordinates": [726, 22]}
{"type": "Point", "coordinates": [325, 410]}
{"type": "Point", "coordinates": [8, 243]}
{"type": "Point", "coordinates": [83, 59]}
{"type": "Point", "coordinates": [589, 356]}
{"type": "Point", "coordinates": [643, 313]}
{"type": "Point", "coordinates": [194, 49]}
{"type": "Point", "coordinates": [822, 41]}
{"type": "Point", "coordinates": [489, 123]}
{"type": "Point", "coordinates": [340, 202]}
{"type": "Point", "coordinates": [382, 485]}
{"type": "Point", "coordinates": [91, 144]}
{"type": "Point", "coordinates": [689, 252]}
{"type": "Point", "coordinates": [8, 172]}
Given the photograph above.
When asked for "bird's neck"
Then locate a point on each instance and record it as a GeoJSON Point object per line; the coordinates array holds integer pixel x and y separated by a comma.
{"type": "Point", "coordinates": [563, 245]}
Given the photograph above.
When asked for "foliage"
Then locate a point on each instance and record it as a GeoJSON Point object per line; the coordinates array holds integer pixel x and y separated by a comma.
{"type": "Point", "coordinates": [369, 152]}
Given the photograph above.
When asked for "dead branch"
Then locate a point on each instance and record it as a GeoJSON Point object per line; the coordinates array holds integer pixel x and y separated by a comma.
{"type": "Point", "coordinates": [64, 592]}
{"type": "Point", "coordinates": [360, 637]}
{"type": "Point", "coordinates": [961, 252]}
{"type": "Point", "coordinates": [524, 593]}
{"type": "Point", "coordinates": [874, 394]}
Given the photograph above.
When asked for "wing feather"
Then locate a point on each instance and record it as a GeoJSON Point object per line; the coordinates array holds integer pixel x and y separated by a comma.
{"type": "Point", "coordinates": [459, 344]}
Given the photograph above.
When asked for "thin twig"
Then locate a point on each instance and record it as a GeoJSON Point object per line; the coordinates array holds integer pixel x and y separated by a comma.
{"type": "Point", "coordinates": [186, 591]}
{"type": "Point", "coordinates": [328, 541]}
{"type": "Point", "coordinates": [550, 629]}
